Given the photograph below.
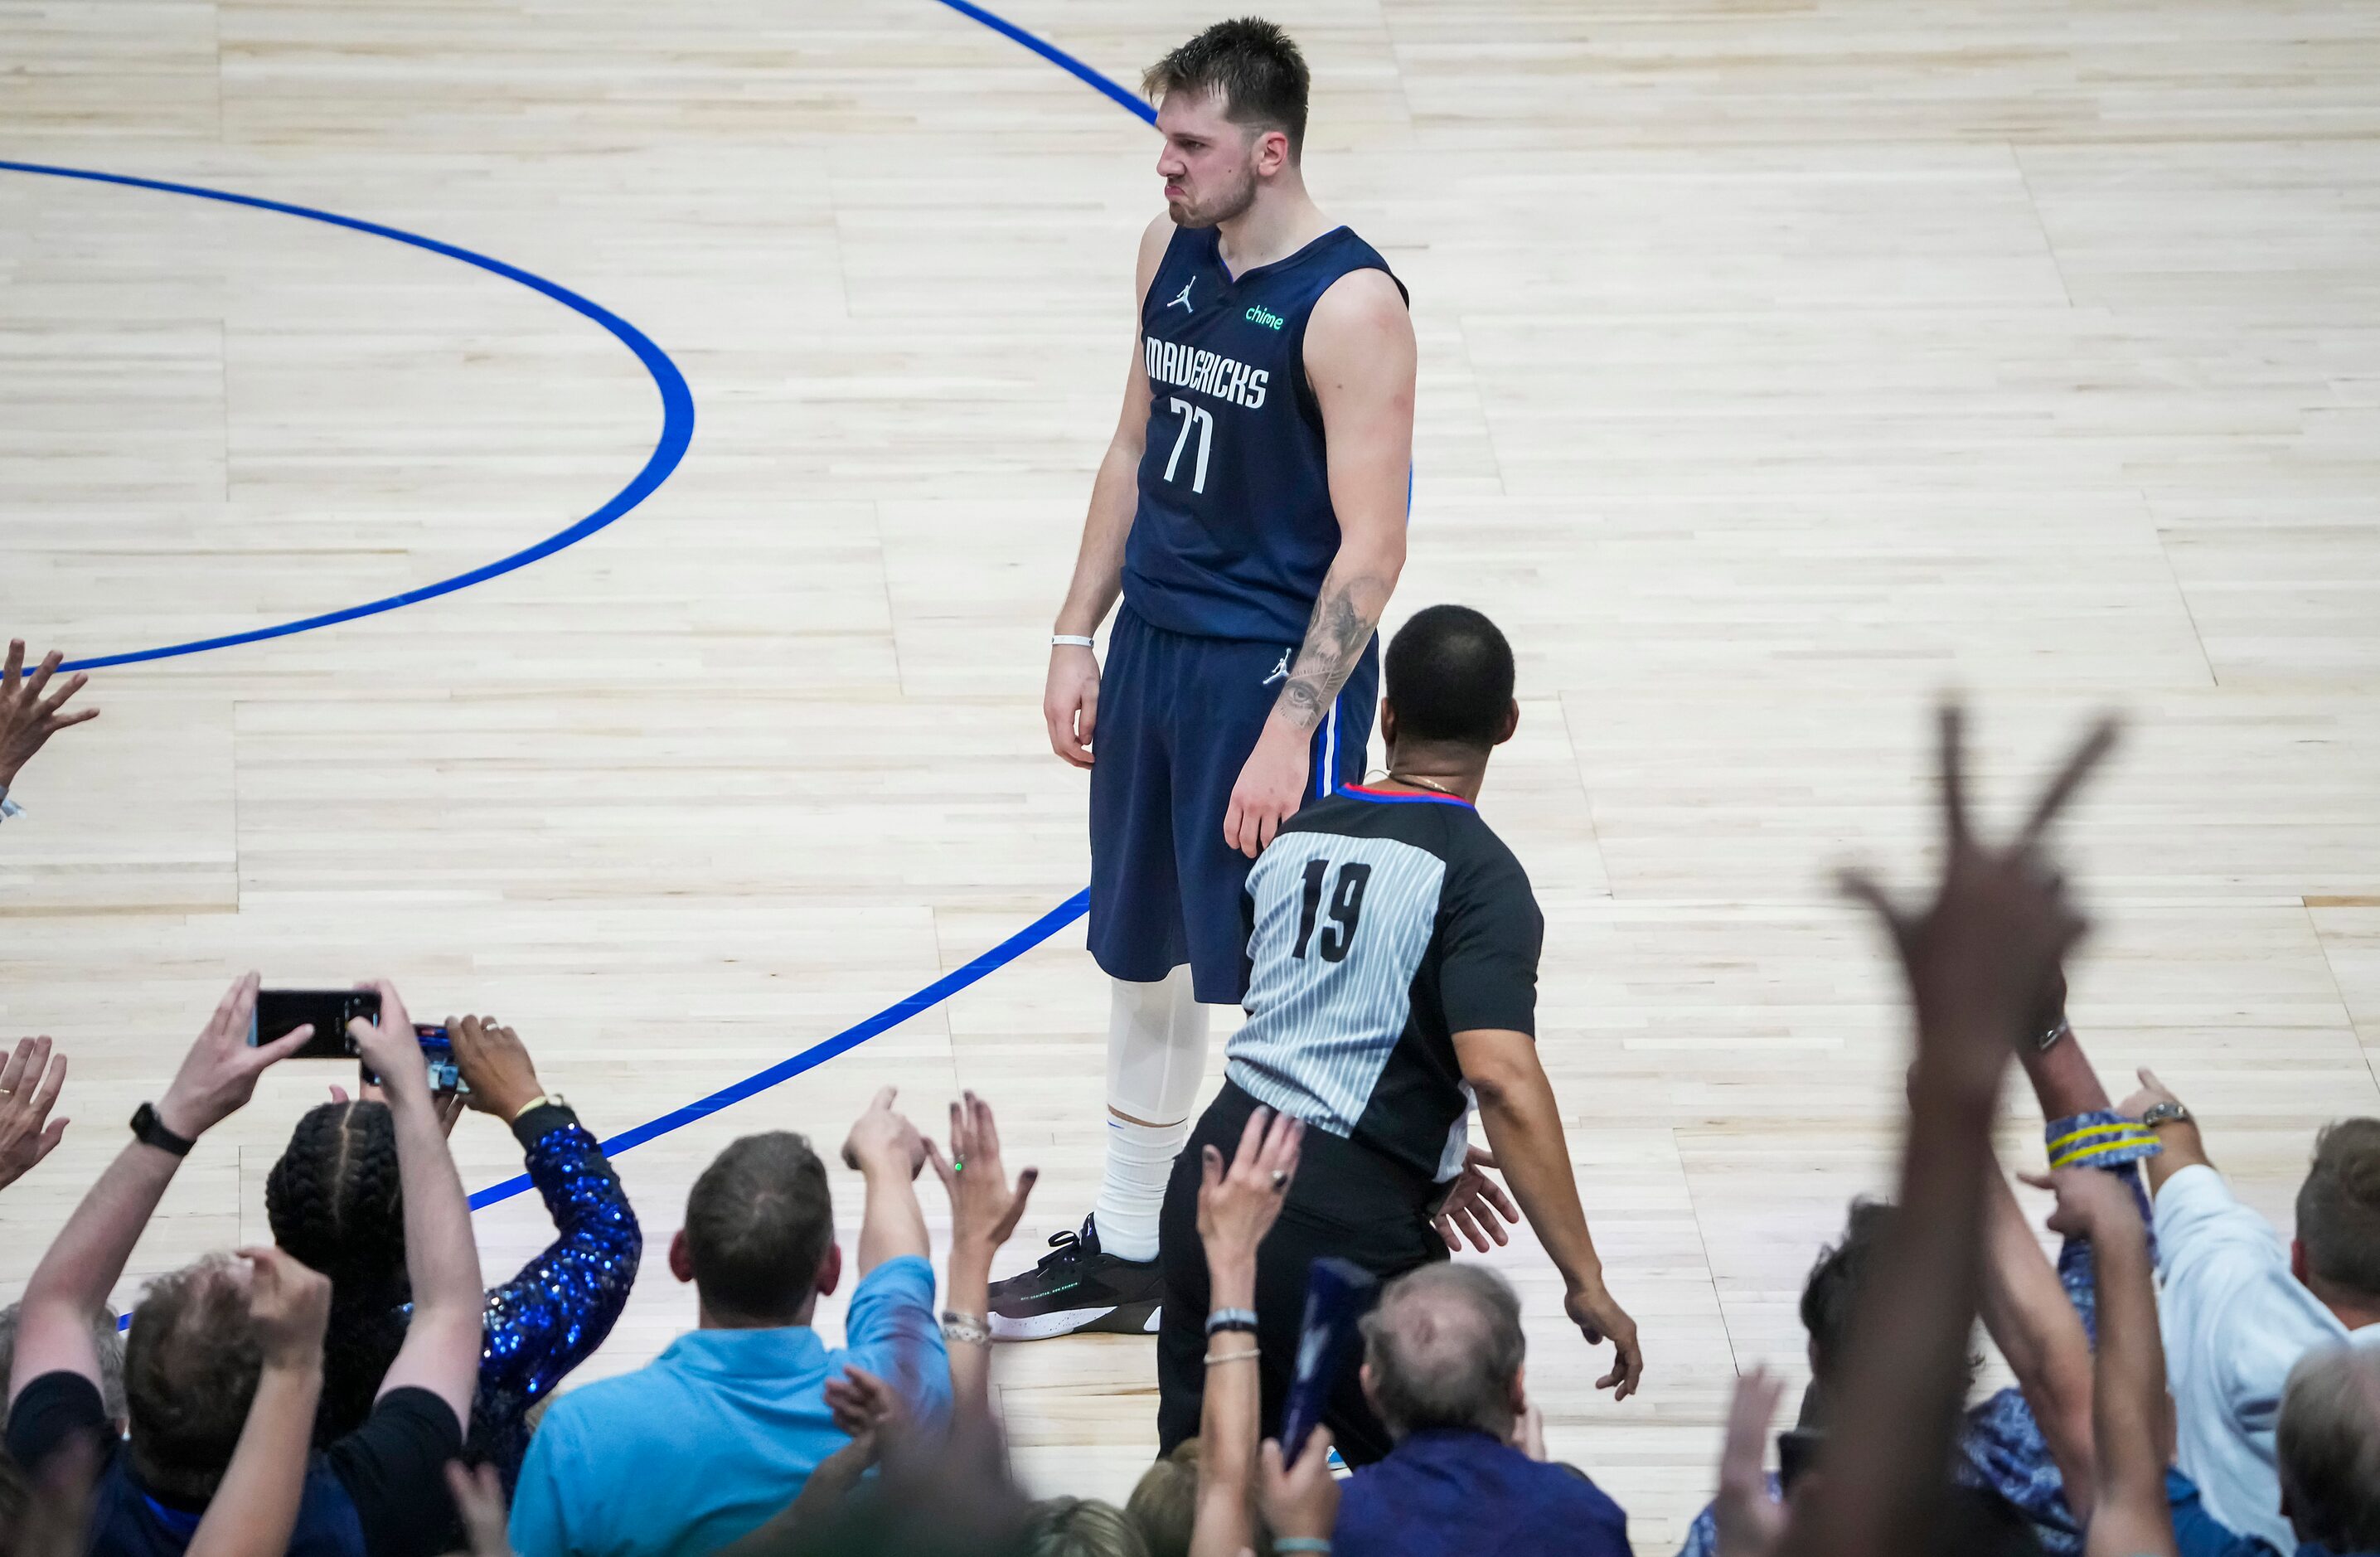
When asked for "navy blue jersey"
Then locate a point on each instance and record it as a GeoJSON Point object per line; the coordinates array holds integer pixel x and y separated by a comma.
{"type": "Point", "coordinates": [1234, 530]}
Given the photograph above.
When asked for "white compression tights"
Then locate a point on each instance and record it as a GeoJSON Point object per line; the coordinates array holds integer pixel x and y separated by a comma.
{"type": "Point", "coordinates": [1156, 1054]}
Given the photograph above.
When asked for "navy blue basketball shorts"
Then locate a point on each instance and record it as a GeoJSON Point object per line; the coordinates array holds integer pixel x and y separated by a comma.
{"type": "Point", "coordinates": [1177, 719]}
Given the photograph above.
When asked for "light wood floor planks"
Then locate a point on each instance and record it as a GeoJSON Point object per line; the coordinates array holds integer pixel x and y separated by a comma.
{"type": "Point", "coordinates": [1781, 365]}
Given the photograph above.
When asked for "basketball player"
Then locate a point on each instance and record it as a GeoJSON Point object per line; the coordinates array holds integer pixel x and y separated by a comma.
{"type": "Point", "coordinates": [1392, 947]}
{"type": "Point", "coordinates": [1251, 512]}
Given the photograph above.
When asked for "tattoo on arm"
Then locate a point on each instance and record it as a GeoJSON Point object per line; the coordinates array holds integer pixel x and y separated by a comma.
{"type": "Point", "coordinates": [1344, 618]}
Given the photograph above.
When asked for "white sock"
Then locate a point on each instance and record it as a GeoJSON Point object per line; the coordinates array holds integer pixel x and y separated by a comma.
{"type": "Point", "coordinates": [1157, 1055]}
{"type": "Point", "coordinates": [1140, 1158]}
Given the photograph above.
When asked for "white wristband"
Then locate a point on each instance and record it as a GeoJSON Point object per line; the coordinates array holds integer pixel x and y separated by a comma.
{"type": "Point", "coordinates": [1078, 642]}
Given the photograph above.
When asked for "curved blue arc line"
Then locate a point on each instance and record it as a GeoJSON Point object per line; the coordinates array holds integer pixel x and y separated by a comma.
{"type": "Point", "coordinates": [677, 414]}
{"type": "Point", "coordinates": [1132, 101]}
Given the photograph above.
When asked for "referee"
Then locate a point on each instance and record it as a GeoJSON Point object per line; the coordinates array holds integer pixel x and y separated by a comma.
{"type": "Point", "coordinates": [1393, 970]}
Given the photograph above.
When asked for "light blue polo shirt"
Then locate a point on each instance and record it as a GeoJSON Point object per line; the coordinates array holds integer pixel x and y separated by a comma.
{"type": "Point", "coordinates": [720, 1431]}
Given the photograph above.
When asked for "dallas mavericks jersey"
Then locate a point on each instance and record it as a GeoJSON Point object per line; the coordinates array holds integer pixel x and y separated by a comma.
{"type": "Point", "coordinates": [1235, 531]}
{"type": "Point", "coordinates": [1381, 924]}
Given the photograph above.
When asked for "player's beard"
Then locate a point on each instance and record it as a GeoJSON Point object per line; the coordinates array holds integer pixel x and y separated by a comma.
{"type": "Point", "coordinates": [1227, 206]}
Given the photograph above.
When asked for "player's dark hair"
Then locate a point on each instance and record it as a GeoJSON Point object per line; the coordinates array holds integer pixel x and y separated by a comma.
{"type": "Point", "coordinates": [1450, 675]}
{"type": "Point", "coordinates": [2338, 1205]}
{"type": "Point", "coordinates": [337, 1203]}
{"type": "Point", "coordinates": [1253, 64]}
{"type": "Point", "coordinates": [758, 1225]}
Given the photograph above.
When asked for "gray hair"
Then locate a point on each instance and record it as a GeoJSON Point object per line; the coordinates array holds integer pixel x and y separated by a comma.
{"type": "Point", "coordinates": [105, 1335]}
{"type": "Point", "coordinates": [1445, 1349]}
{"type": "Point", "coordinates": [2329, 1447]}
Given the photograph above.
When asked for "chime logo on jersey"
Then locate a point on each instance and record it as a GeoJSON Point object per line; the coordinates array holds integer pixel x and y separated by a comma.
{"type": "Point", "coordinates": [1195, 368]}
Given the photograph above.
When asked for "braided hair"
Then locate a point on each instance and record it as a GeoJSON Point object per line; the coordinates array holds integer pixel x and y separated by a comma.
{"type": "Point", "coordinates": [337, 1203]}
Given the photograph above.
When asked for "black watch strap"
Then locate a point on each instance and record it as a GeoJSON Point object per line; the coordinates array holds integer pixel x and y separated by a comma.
{"type": "Point", "coordinates": [149, 1130]}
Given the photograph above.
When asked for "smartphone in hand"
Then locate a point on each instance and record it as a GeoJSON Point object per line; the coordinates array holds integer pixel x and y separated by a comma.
{"type": "Point", "coordinates": [282, 1012]}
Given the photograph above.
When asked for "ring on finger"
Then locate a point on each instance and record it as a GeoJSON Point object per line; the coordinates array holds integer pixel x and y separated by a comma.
{"type": "Point", "coordinates": [1280, 1180]}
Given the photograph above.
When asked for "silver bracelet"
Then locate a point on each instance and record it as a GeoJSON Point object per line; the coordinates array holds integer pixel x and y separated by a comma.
{"type": "Point", "coordinates": [966, 1328]}
{"type": "Point", "coordinates": [1072, 640]}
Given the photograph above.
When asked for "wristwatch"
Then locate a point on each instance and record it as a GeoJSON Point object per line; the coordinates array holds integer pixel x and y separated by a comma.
{"type": "Point", "coordinates": [149, 1130]}
{"type": "Point", "coordinates": [2167, 1113]}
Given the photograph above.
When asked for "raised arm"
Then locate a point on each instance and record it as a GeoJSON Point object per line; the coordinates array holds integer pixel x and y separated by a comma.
{"type": "Point", "coordinates": [559, 1308]}
{"type": "Point", "coordinates": [1070, 701]}
{"type": "Point", "coordinates": [1236, 1208]}
{"type": "Point", "coordinates": [2035, 1327]}
{"type": "Point", "coordinates": [255, 1507]}
{"type": "Point", "coordinates": [984, 1211]}
{"type": "Point", "coordinates": [1980, 961]}
{"type": "Point", "coordinates": [30, 709]}
{"type": "Point", "coordinates": [1360, 358]}
{"type": "Point", "coordinates": [441, 1353]}
{"type": "Point", "coordinates": [886, 1150]}
{"type": "Point", "coordinates": [1525, 1130]}
{"type": "Point", "coordinates": [30, 1080]}
{"type": "Point", "coordinates": [70, 1286]}
{"type": "Point", "coordinates": [2130, 1515]}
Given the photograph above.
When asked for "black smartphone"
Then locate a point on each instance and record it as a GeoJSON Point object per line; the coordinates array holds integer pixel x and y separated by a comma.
{"type": "Point", "coordinates": [280, 1013]}
{"type": "Point", "coordinates": [1797, 1450]}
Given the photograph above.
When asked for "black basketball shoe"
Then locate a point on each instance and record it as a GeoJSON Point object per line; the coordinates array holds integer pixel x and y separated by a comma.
{"type": "Point", "coordinates": [1076, 1287]}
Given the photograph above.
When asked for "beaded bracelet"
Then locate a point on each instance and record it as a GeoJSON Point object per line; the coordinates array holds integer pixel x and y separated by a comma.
{"type": "Point", "coordinates": [967, 1329]}
{"type": "Point", "coordinates": [1249, 1356]}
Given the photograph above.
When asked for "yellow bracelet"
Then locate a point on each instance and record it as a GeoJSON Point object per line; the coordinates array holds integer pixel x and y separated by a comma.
{"type": "Point", "coordinates": [1248, 1356]}
{"type": "Point", "coordinates": [539, 1101]}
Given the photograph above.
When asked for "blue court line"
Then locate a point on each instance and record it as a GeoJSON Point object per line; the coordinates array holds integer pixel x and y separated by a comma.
{"type": "Point", "coordinates": [677, 415]}
{"type": "Point", "coordinates": [1132, 100]}
{"type": "Point", "coordinates": [819, 1054]}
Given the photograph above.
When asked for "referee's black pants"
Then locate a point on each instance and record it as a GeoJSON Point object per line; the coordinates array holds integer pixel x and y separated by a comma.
{"type": "Point", "coordinates": [1346, 1200]}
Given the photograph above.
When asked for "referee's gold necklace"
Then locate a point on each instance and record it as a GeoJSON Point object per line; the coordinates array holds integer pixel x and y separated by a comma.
{"type": "Point", "coordinates": [1420, 782]}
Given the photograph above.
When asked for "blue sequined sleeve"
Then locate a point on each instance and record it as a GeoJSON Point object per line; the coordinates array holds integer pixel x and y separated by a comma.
{"type": "Point", "coordinates": [551, 1317]}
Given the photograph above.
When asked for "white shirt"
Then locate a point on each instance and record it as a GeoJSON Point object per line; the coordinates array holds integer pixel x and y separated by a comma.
{"type": "Point", "coordinates": [2235, 1322]}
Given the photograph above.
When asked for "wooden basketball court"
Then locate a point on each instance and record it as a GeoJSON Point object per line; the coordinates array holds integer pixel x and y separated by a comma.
{"type": "Point", "coordinates": [1781, 366]}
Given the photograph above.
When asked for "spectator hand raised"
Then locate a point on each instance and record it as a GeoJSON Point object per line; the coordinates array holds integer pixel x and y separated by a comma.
{"type": "Point", "coordinates": [27, 719]}
{"type": "Point", "coordinates": [291, 1306]}
{"type": "Point", "coordinates": [28, 1085]}
{"type": "Point", "coordinates": [2092, 1204]}
{"type": "Point", "coordinates": [1750, 1522]}
{"type": "Point", "coordinates": [218, 1075]}
{"type": "Point", "coordinates": [391, 1050]}
{"type": "Point", "coordinates": [495, 1065]}
{"type": "Point", "coordinates": [479, 1497]}
{"type": "Point", "coordinates": [1238, 1206]}
{"type": "Point", "coordinates": [1301, 1500]}
{"type": "Point", "coordinates": [884, 1142]}
{"type": "Point", "coordinates": [984, 1207]}
{"type": "Point", "coordinates": [1984, 957]}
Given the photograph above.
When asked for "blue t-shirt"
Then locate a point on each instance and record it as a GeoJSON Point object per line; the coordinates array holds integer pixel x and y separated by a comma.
{"type": "Point", "coordinates": [1463, 1494]}
{"type": "Point", "coordinates": [1234, 531]}
{"type": "Point", "coordinates": [718, 1433]}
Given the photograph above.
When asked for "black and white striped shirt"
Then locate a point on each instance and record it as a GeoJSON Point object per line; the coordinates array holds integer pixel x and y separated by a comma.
{"type": "Point", "coordinates": [1380, 925]}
